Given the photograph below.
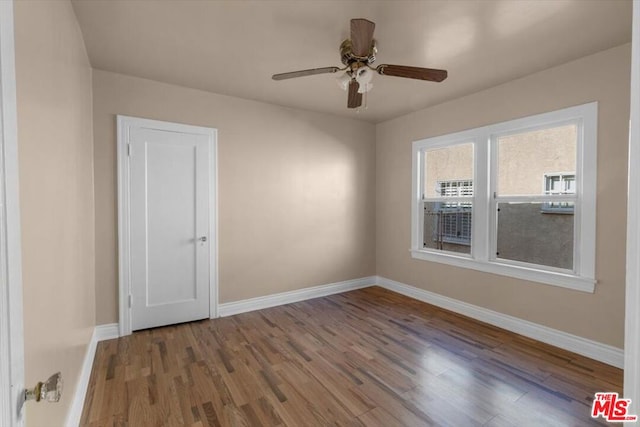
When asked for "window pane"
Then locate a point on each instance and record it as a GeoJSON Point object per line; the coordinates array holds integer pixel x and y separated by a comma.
{"type": "Point", "coordinates": [448, 172]}
{"type": "Point", "coordinates": [537, 162]}
{"type": "Point", "coordinates": [447, 226]}
{"type": "Point", "coordinates": [570, 184]}
{"type": "Point", "coordinates": [529, 232]}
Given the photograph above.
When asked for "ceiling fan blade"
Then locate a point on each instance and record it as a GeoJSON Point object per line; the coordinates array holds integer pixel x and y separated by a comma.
{"type": "Point", "coordinates": [361, 36]}
{"type": "Point", "coordinates": [429, 74]}
{"type": "Point", "coordinates": [355, 98]}
{"type": "Point", "coordinates": [302, 73]}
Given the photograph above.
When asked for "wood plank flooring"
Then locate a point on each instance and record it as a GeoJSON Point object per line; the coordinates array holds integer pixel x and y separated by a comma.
{"type": "Point", "coordinates": [364, 358]}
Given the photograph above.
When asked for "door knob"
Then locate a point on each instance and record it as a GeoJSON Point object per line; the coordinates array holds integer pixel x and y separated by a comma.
{"type": "Point", "coordinates": [51, 390]}
{"type": "Point", "coordinates": [202, 239]}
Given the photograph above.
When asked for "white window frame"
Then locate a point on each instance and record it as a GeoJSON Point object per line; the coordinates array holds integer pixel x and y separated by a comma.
{"type": "Point", "coordinates": [484, 207]}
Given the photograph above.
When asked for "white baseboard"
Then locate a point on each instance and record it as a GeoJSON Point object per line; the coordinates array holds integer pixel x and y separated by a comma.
{"type": "Point", "coordinates": [602, 352]}
{"type": "Point", "coordinates": [100, 333]}
{"type": "Point", "coordinates": [106, 332]}
{"type": "Point", "coordinates": [243, 306]}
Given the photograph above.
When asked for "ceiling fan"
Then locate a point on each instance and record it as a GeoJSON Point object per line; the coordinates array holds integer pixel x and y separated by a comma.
{"type": "Point", "coordinates": [357, 54]}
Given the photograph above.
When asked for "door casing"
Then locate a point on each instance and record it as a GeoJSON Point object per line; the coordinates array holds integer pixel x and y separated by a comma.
{"type": "Point", "coordinates": [632, 296]}
{"type": "Point", "coordinates": [125, 123]}
{"type": "Point", "coordinates": [11, 309]}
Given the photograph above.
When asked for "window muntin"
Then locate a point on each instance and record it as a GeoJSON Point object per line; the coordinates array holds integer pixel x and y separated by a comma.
{"type": "Point", "coordinates": [571, 194]}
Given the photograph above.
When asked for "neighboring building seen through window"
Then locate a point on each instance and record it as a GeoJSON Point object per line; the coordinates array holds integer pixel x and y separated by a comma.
{"type": "Point", "coordinates": [524, 233]}
{"type": "Point", "coordinates": [451, 222]}
{"type": "Point", "coordinates": [448, 198]}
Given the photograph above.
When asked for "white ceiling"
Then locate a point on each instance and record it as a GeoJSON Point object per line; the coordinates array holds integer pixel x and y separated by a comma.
{"type": "Point", "coordinates": [233, 47]}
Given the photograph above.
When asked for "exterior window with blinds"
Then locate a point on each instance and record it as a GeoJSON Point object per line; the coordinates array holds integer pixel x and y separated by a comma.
{"type": "Point", "coordinates": [451, 221]}
{"type": "Point", "coordinates": [455, 188]}
{"type": "Point", "coordinates": [559, 184]}
{"type": "Point", "coordinates": [515, 198]}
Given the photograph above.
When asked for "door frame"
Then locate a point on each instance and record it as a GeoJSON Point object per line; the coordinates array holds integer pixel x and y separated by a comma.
{"type": "Point", "coordinates": [11, 309]}
{"type": "Point", "coordinates": [632, 296]}
{"type": "Point", "coordinates": [124, 256]}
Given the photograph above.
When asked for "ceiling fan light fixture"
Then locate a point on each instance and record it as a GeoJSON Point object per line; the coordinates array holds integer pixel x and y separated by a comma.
{"type": "Point", "coordinates": [343, 81]}
{"type": "Point", "coordinates": [364, 76]}
{"type": "Point", "coordinates": [364, 88]}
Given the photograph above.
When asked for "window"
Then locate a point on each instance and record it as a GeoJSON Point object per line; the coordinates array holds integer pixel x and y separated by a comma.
{"type": "Point", "coordinates": [455, 188]}
{"type": "Point", "coordinates": [479, 202]}
{"type": "Point", "coordinates": [559, 183]}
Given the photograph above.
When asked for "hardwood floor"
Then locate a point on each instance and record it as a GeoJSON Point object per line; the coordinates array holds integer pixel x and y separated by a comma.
{"type": "Point", "coordinates": [363, 358]}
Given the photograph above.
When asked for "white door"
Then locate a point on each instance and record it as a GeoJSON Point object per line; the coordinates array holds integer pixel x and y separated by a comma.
{"type": "Point", "coordinates": [169, 233]}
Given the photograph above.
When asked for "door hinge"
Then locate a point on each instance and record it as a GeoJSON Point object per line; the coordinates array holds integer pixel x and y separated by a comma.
{"type": "Point", "coordinates": [129, 150]}
{"type": "Point", "coordinates": [130, 300]}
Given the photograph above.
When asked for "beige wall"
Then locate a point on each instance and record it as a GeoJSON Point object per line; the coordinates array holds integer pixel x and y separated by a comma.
{"type": "Point", "coordinates": [603, 77]}
{"type": "Point", "coordinates": [296, 189]}
{"type": "Point", "coordinates": [56, 197]}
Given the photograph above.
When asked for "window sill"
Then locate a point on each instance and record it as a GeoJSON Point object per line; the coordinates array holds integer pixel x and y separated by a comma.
{"type": "Point", "coordinates": [563, 280]}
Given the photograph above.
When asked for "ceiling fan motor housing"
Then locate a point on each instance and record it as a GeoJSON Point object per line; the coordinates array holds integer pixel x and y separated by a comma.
{"type": "Point", "coordinates": [347, 57]}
